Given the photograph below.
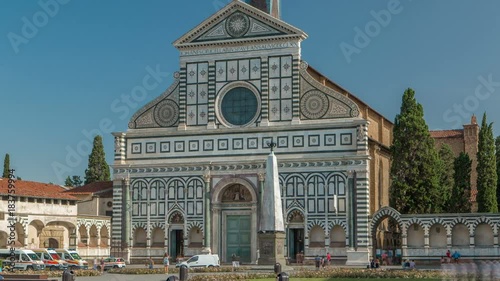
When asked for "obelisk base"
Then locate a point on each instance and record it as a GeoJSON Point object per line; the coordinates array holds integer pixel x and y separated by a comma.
{"type": "Point", "coordinates": [272, 249]}
{"type": "Point", "coordinates": [361, 256]}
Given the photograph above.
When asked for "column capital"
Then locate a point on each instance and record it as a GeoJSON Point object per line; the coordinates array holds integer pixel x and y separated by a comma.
{"type": "Point", "coordinates": [262, 176]}
{"type": "Point", "coordinates": [126, 181]}
{"type": "Point", "coordinates": [207, 177]}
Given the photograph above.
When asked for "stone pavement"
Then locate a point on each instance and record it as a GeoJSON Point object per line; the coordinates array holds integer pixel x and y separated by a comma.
{"type": "Point", "coordinates": [488, 270]}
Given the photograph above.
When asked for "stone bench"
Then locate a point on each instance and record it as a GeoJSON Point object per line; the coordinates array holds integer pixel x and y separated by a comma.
{"type": "Point", "coordinates": [26, 277]}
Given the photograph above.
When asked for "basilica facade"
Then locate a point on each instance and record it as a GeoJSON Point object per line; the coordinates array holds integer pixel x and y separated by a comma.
{"type": "Point", "coordinates": [189, 172]}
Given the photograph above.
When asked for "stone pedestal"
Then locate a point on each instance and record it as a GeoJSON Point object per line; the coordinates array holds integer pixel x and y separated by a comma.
{"type": "Point", "coordinates": [272, 248]}
{"type": "Point", "coordinates": [359, 257]}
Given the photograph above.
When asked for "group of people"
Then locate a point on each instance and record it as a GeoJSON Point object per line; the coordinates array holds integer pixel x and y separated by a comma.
{"type": "Point", "coordinates": [455, 256]}
{"type": "Point", "coordinates": [166, 262]}
{"type": "Point", "coordinates": [409, 264]}
{"type": "Point", "coordinates": [321, 262]}
{"type": "Point", "coordinates": [374, 263]}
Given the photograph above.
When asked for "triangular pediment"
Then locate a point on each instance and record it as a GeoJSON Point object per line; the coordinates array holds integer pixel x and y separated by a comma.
{"type": "Point", "coordinates": [236, 22]}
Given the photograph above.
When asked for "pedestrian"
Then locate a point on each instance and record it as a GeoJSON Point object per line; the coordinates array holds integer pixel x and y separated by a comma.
{"type": "Point", "coordinates": [412, 264]}
{"type": "Point", "coordinates": [328, 258]}
{"type": "Point", "coordinates": [456, 256]}
{"type": "Point", "coordinates": [448, 256]}
{"type": "Point", "coordinates": [151, 263]}
{"type": "Point", "coordinates": [317, 261]}
{"type": "Point", "coordinates": [95, 263]}
{"type": "Point", "coordinates": [166, 262]}
{"type": "Point", "coordinates": [233, 260]}
{"type": "Point", "coordinates": [102, 265]}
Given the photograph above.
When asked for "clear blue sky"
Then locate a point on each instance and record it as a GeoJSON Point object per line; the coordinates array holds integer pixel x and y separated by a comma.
{"type": "Point", "coordinates": [62, 78]}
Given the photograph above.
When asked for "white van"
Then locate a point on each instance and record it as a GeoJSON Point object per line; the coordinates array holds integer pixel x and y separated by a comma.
{"type": "Point", "coordinates": [73, 259]}
{"type": "Point", "coordinates": [51, 259]}
{"type": "Point", "coordinates": [201, 261]}
{"type": "Point", "coordinates": [23, 259]}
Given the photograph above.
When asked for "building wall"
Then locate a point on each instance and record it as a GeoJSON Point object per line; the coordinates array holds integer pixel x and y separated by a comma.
{"type": "Point", "coordinates": [457, 145]}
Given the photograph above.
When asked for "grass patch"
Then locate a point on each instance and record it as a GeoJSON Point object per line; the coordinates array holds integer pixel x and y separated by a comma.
{"type": "Point", "coordinates": [347, 279]}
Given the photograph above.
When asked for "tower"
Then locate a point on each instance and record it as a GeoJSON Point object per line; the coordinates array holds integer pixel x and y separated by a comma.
{"type": "Point", "coordinates": [271, 7]}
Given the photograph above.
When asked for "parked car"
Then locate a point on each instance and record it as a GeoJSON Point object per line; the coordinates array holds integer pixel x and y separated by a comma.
{"type": "Point", "coordinates": [201, 261]}
{"type": "Point", "coordinates": [113, 263]}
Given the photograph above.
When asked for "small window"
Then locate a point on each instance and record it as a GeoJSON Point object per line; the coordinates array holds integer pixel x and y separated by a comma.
{"type": "Point", "coordinates": [31, 200]}
{"type": "Point", "coordinates": [22, 199]}
{"type": "Point", "coordinates": [39, 200]}
{"type": "Point", "coordinates": [56, 201]}
{"type": "Point", "coordinates": [64, 202]}
{"type": "Point", "coordinates": [72, 202]}
{"type": "Point", "coordinates": [48, 201]}
{"type": "Point", "coordinates": [5, 198]}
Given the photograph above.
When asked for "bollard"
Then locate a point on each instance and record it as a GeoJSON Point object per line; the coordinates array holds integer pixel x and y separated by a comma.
{"type": "Point", "coordinates": [183, 273]}
{"type": "Point", "coordinates": [173, 278]}
{"type": "Point", "coordinates": [277, 268]}
{"type": "Point", "coordinates": [283, 276]}
{"type": "Point", "coordinates": [68, 275]}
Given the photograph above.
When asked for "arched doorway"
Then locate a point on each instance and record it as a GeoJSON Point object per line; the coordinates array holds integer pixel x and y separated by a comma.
{"type": "Point", "coordinates": [295, 239]}
{"type": "Point", "coordinates": [176, 239]}
{"type": "Point", "coordinates": [386, 233]}
{"type": "Point", "coordinates": [51, 243]}
{"type": "Point", "coordinates": [235, 216]}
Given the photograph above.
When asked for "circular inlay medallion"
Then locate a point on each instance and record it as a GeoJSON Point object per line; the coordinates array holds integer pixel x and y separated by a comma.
{"type": "Point", "coordinates": [166, 113]}
{"type": "Point", "coordinates": [237, 25]}
{"type": "Point", "coordinates": [314, 104]}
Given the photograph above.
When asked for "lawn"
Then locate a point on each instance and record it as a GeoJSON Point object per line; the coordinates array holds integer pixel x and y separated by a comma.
{"type": "Point", "coordinates": [347, 279]}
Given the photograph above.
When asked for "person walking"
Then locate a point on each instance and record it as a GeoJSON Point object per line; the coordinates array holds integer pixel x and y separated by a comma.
{"type": "Point", "coordinates": [233, 260]}
{"type": "Point", "coordinates": [151, 263]}
{"type": "Point", "coordinates": [102, 265]}
{"type": "Point", "coordinates": [166, 262]}
{"type": "Point", "coordinates": [328, 258]}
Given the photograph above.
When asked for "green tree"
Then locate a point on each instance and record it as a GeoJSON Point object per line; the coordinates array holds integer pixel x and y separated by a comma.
{"type": "Point", "coordinates": [446, 180]}
{"type": "Point", "coordinates": [6, 166]}
{"type": "Point", "coordinates": [414, 168]}
{"type": "Point", "coordinates": [68, 182]}
{"type": "Point", "coordinates": [460, 194]}
{"type": "Point", "coordinates": [77, 181]}
{"type": "Point", "coordinates": [486, 170]}
{"type": "Point", "coordinates": [98, 169]}
{"type": "Point", "coordinates": [497, 154]}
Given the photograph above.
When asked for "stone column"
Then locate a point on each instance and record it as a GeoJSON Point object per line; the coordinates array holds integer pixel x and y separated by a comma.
{"type": "Point", "coordinates": [207, 215]}
{"type": "Point", "coordinates": [127, 206]}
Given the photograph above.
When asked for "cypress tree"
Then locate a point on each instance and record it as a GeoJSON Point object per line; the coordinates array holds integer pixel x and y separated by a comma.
{"type": "Point", "coordinates": [68, 182]}
{"type": "Point", "coordinates": [77, 181]}
{"type": "Point", "coordinates": [486, 170]}
{"type": "Point", "coordinates": [98, 169]}
{"type": "Point", "coordinates": [446, 180]}
{"type": "Point", "coordinates": [6, 166]}
{"type": "Point", "coordinates": [497, 144]}
{"type": "Point", "coordinates": [460, 195]}
{"type": "Point", "coordinates": [414, 168]}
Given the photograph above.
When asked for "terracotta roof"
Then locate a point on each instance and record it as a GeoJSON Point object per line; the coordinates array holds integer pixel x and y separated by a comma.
{"type": "Point", "coordinates": [35, 189]}
{"type": "Point", "coordinates": [91, 188]}
{"type": "Point", "coordinates": [447, 134]}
